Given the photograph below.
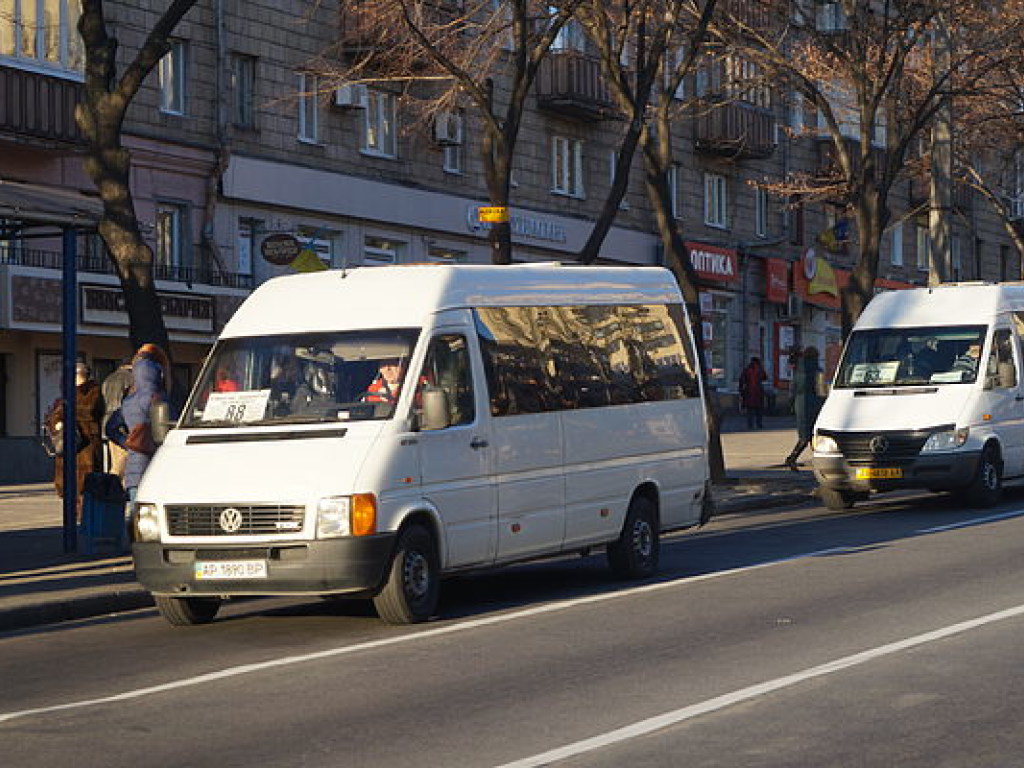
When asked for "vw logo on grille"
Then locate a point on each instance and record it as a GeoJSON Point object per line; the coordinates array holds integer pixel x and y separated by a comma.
{"type": "Point", "coordinates": [230, 520]}
{"type": "Point", "coordinates": [879, 444]}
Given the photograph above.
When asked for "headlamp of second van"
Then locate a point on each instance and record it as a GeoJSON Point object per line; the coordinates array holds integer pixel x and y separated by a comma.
{"type": "Point", "coordinates": [824, 444]}
{"type": "Point", "coordinates": [346, 516]}
{"type": "Point", "coordinates": [147, 523]}
{"type": "Point", "coordinates": [947, 440]}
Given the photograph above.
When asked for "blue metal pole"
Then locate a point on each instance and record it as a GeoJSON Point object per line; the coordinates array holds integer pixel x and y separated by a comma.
{"type": "Point", "coordinates": [69, 315]}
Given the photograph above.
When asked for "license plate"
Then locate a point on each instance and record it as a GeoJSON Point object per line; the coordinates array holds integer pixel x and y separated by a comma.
{"type": "Point", "coordinates": [879, 473]}
{"type": "Point", "coordinates": [231, 569]}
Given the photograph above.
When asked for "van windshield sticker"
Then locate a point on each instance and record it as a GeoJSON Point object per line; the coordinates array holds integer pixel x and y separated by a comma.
{"type": "Point", "coordinates": [875, 373]}
{"type": "Point", "coordinates": [236, 407]}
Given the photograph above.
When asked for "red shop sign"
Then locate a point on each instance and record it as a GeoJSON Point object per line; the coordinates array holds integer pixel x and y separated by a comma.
{"type": "Point", "coordinates": [714, 263]}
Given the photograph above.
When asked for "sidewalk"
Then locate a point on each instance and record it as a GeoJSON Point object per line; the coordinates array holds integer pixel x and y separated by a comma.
{"type": "Point", "coordinates": [40, 584]}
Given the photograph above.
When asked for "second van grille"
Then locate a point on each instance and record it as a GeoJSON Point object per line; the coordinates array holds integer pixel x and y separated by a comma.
{"type": "Point", "coordinates": [236, 520]}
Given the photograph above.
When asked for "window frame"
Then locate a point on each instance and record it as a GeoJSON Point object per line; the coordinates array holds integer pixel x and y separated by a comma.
{"type": "Point", "coordinates": [62, 54]}
{"type": "Point", "coordinates": [716, 200]}
{"type": "Point", "coordinates": [380, 124]}
{"type": "Point", "coordinates": [172, 78]}
{"type": "Point", "coordinates": [243, 81]}
{"type": "Point", "coordinates": [171, 245]}
{"type": "Point", "coordinates": [308, 108]}
{"type": "Point", "coordinates": [567, 167]}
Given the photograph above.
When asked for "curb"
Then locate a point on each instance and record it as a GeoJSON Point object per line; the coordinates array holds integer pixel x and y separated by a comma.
{"type": "Point", "coordinates": [88, 607]}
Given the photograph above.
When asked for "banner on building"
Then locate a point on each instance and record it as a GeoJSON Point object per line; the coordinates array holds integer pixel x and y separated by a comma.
{"type": "Point", "coordinates": [776, 278]}
{"type": "Point", "coordinates": [712, 262]}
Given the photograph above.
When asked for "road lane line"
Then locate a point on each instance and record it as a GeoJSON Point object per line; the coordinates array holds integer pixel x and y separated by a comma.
{"type": "Point", "coordinates": [973, 521]}
{"type": "Point", "coordinates": [426, 634]}
{"type": "Point", "coordinates": [675, 717]}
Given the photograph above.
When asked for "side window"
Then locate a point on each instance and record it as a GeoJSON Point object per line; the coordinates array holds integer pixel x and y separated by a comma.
{"type": "Point", "coordinates": [1000, 365]}
{"type": "Point", "coordinates": [448, 367]}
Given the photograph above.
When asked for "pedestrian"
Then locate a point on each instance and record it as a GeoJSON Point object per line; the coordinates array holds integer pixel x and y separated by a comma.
{"type": "Point", "coordinates": [114, 388]}
{"type": "Point", "coordinates": [808, 386]}
{"type": "Point", "coordinates": [131, 426]}
{"type": "Point", "coordinates": [88, 437]}
{"type": "Point", "coordinates": [752, 392]}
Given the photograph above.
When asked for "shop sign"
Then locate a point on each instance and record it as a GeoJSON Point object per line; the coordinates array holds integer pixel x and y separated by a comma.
{"type": "Point", "coordinates": [105, 305]}
{"type": "Point", "coordinates": [714, 263]}
{"type": "Point", "coordinates": [479, 220]}
{"type": "Point", "coordinates": [776, 288]}
{"type": "Point", "coordinates": [280, 249]}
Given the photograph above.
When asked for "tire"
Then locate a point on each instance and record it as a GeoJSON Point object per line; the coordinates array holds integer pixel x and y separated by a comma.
{"type": "Point", "coordinates": [836, 500]}
{"type": "Point", "coordinates": [187, 611]}
{"type": "Point", "coordinates": [987, 487]}
{"type": "Point", "coordinates": [414, 580]}
{"type": "Point", "coordinates": [634, 555]}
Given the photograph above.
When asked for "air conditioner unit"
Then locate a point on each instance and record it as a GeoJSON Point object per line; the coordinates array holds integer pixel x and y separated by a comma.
{"type": "Point", "coordinates": [350, 95]}
{"type": "Point", "coordinates": [448, 128]}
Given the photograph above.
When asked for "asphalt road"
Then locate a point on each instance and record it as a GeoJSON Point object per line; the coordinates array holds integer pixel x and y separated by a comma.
{"type": "Point", "coordinates": [886, 636]}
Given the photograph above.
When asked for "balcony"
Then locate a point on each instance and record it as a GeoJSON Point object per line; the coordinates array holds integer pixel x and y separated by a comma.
{"type": "Point", "coordinates": [735, 129]}
{"type": "Point", "coordinates": [38, 108]}
{"type": "Point", "coordinates": [100, 264]}
{"type": "Point", "coordinates": [570, 83]}
{"type": "Point", "coordinates": [920, 193]}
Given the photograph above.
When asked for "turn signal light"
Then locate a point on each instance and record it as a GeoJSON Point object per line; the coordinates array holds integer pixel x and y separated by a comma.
{"type": "Point", "coordinates": [364, 514]}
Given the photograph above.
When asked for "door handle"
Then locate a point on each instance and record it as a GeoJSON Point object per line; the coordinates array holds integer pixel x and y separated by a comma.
{"type": "Point", "coordinates": [477, 443]}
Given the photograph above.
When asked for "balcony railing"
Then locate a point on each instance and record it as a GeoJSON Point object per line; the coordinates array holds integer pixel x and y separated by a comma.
{"type": "Point", "coordinates": [40, 107]}
{"type": "Point", "coordinates": [735, 128]}
{"type": "Point", "coordinates": [102, 265]}
{"type": "Point", "coordinates": [571, 83]}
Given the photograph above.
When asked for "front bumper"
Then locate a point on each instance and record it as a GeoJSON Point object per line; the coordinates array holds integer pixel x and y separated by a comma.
{"type": "Point", "coordinates": [351, 566]}
{"type": "Point", "coordinates": [934, 472]}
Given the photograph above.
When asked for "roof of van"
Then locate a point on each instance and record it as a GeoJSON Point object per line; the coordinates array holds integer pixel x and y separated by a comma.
{"type": "Point", "coordinates": [403, 296]}
{"type": "Point", "coordinates": [943, 304]}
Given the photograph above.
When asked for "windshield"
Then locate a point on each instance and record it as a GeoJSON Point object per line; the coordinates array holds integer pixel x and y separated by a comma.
{"type": "Point", "coordinates": [301, 378]}
{"type": "Point", "coordinates": [893, 357]}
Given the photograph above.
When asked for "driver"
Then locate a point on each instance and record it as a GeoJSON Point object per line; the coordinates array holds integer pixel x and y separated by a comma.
{"type": "Point", "coordinates": [386, 385]}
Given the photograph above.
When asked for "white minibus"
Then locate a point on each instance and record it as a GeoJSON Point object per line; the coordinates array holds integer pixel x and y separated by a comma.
{"type": "Point", "coordinates": [362, 433]}
{"type": "Point", "coordinates": [927, 395]}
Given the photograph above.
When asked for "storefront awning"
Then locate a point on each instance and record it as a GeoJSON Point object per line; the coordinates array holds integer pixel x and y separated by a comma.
{"type": "Point", "coordinates": [45, 205]}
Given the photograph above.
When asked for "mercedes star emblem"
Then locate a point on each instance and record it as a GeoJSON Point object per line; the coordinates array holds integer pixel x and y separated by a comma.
{"type": "Point", "coordinates": [879, 444]}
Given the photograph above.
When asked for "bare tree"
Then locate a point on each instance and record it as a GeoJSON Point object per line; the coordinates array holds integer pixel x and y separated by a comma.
{"type": "Point", "coordinates": [107, 96]}
{"type": "Point", "coordinates": [480, 54]}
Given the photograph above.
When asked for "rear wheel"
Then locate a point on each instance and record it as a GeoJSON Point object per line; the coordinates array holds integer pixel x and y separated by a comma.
{"type": "Point", "coordinates": [186, 611]}
{"type": "Point", "coordinates": [987, 487]}
{"type": "Point", "coordinates": [414, 580]}
{"type": "Point", "coordinates": [634, 555]}
{"type": "Point", "coordinates": [837, 500]}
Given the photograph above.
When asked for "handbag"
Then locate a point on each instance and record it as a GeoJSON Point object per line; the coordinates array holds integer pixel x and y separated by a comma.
{"type": "Point", "coordinates": [53, 438]}
{"type": "Point", "coordinates": [140, 439]}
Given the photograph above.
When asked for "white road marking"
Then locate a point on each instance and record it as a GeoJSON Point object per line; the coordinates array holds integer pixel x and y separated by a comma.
{"type": "Point", "coordinates": [427, 634]}
{"type": "Point", "coordinates": [644, 727]}
{"type": "Point", "coordinates": [973, 521]}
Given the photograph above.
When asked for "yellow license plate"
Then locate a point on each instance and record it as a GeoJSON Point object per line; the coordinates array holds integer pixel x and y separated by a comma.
{"type": "Point", "coordinates": [879, 473]}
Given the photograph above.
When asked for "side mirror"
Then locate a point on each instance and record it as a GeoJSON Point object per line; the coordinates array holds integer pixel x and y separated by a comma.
{"type": "Point", "coordinates": [436, 414]}
{"type": "Point", "coordinates": [160, 421]}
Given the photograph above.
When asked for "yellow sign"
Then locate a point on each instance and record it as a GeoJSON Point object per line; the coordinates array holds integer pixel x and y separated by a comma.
{"type": "Point", "coordinates": [497, 214]}
{"type": "Point", "coordinates": [824, 279]}
{"type": "Point", "coordinates": [308, 261]}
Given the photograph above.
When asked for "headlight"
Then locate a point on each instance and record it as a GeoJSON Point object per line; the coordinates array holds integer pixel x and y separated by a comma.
{"type": "Point", "coordinates": [946, 441]}
{"type": "Point", "coordinates": [147, 523]}
{"type": "Point", "coordinates": [824, 444]}
{"type": "Point", "coordinates": [346, 516]}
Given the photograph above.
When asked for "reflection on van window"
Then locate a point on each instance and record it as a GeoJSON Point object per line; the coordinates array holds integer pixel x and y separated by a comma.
{"type": "Point", "coordinates": [541, 359]}
{"type": "Point", "coordinates": [892, 357]}
{"type": "Point", "coordinates": [301, 378]}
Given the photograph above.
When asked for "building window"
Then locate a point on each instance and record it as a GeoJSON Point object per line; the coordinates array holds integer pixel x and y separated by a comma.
{"type": "Point", "coordinates": [380, 120]}
{"type": "Point", "coordinates": [675, 177]}
{"type": "Point", "coordinates": [760, 212]}
{"type": "Point", "coordinates": [444, 255]}
{"type": "Point", "coordinates": [716, 210]}
{"type": "Point", "coordinates": [248, 229]}
{"type": "Point", "coordinates": [566, 166]}
{"type": "Point", "coordinates": [43, 33]}
{"type": "Point", "coordinates": [309, 107]}
{"type": "Point", "coordinates": [896, 252]}
{"type": "Point", "coordinates": [243, 83]}
{"type": "Point", "coordinates": [381, 250]}
{"type": "Point", "coordinates": [924, 246]}
{"type": "Point", "coordinates": [170, 239]}
{"type": "Point", "coordinates": [317, 240]}
{"type": "Point", "coordinates": [171, 73]}
{"type": "Point", "coordinates": [452, 155]}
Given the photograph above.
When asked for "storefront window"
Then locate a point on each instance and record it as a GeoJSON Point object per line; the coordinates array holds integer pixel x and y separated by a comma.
{"type": "Point", "coordinates": [720, 363]}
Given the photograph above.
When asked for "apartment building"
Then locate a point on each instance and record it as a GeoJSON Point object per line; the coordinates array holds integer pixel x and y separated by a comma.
{"type": "Point", "coordinates": [239, 143]}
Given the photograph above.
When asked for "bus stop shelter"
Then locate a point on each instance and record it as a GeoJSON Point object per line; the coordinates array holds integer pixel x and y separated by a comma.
{"type": "Point", "coordinates": [36, 211]}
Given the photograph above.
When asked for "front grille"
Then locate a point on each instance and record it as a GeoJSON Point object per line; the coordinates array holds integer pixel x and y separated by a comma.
{"type": "Point", "coordinates": [895, 446]}
{"type": "Point", "coordinates": [206, 520]}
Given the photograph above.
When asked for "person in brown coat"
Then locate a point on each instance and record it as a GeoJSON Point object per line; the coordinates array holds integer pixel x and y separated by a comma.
{"type": "Point", "coordinates": [89, 415]}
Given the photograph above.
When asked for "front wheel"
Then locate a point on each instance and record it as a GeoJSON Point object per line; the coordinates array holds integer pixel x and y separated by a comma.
{"type": "Point", "coordinates": [634, 555]}
{"type": "Point", "coordinates": [836, 500]}
{"type": "Point", "coordinates": [414, 580]}
{"type": "Point", "coordinates": [186, 611]}
{"type": "Point", "coordinates": [987, 487]}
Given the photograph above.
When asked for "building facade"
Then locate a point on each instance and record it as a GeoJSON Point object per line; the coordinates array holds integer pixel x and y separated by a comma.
{"type": "Point", "coordinates": [240, 144]}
